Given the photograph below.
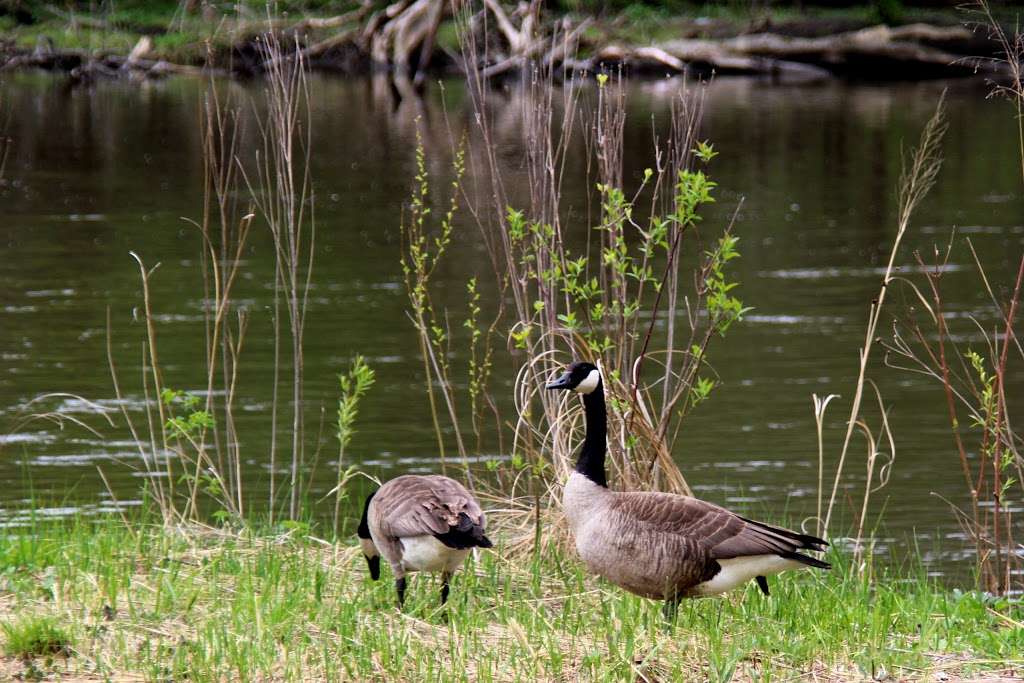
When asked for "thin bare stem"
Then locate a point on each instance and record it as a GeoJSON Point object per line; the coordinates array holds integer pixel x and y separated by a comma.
{"type": "Point", "coordinates": [281, 194]}
{"type": "Point", "coordinates": [917, 179]}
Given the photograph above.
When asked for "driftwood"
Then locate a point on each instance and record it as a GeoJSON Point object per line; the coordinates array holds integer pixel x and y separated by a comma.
{"type": "Point", "coordinates": [88, 65]}
{"type": "Point", "coordinates": [520, 40]}
{"type": "Point", "coordinates": [350, 36]}
{"type": "Point", "coordinates": [898, 49]}
{"type": "Point", "coordinates": [160, 67]}
{"type": "Point", "coordinates": [338, 21]}
{"type": "Point", "coordinates": [401, 40]}
{"type": "Point", "coordinates": [324, 46]}
{"type": "Point", "coordinates": [45, 56]}
{"type": "Point", "coordinates": [139, 52]}
{"type": "Point", "coordinates": [700, 56]}
{"type": "Point", "coordinates": [528, 41]}
{"type": "Point", "coordinates": [879, 51]}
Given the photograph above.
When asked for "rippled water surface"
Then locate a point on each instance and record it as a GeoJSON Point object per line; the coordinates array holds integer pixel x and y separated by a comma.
{"type": "Point", "coordinates": [96, 172]}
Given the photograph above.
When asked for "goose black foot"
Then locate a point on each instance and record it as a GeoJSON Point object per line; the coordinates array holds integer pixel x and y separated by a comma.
{"type": "Point", "coordinates": [762, 583]}
{"type": "Point", "coordinates": [374, 564]}
{"type": "Point", "coordinates": [400, 588]}
{"type": "Point", "coordinates": [445, 578]}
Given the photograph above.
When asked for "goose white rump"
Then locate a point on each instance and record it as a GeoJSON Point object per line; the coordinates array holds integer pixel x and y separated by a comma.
{"type": "Point", "coordinates": [737, 571]}
{"type": "Point", "coordinates": [427, 554]}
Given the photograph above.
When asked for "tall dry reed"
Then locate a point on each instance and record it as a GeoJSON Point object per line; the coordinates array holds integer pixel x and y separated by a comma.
{"type": "Point", "coordinates": [917, 178]}
{"type": "Point", "coordinates": [191, 436]}
{"type": "Point", "coordinates": [928, 341]}
{"type": "Point", "coordinates": [282, 191]}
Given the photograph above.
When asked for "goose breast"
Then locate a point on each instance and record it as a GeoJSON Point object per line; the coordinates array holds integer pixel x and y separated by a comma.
{"type": "Point", "coordinates": [641, 560]}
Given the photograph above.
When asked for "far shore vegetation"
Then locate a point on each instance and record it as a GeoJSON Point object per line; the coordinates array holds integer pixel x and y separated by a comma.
{"type": "Point", "coordinates": [353, 36]}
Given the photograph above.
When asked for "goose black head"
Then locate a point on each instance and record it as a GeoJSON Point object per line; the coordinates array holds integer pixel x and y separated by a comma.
{"type": "Point", "coordinates": [581, 377]}
{"type": "Point", "coordinates": [370, 551]}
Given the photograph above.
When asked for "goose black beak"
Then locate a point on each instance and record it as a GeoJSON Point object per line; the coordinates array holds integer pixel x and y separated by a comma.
{"type": "Point", "coordinates": [374, 564]}
{"type": "Point", "coordinates": [560, 383]}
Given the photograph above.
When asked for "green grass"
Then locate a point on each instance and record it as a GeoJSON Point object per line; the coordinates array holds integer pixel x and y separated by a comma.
{"type": "Point", "coordinates": [116, 42]}
{"type": "Point", "coordinates": [207, 604]}
{"type": "Point", "coordinates": [33, 635]}
{"type": "Point", "coordinates": [176, 38]}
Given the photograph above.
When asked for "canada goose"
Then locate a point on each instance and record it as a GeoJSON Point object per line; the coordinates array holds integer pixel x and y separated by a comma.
{"type": "Point", "coordinates": [420, 523]}
{"type": "Point", "coordinates": [662, 545]}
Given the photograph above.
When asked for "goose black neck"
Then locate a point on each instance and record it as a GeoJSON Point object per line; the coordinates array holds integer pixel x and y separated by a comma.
{"type": "Point", "coordinates": [595, 443]}
{"type": "Point", "coordinates": [364, 524]}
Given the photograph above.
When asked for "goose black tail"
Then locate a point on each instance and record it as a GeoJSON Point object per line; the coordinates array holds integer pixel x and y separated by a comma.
{"type": "Point", "coordinates": [804, 559]}
{"type": "Point", "coordinates": [801, 541]}
{"type": "Point", "coordinates": [465, 534]}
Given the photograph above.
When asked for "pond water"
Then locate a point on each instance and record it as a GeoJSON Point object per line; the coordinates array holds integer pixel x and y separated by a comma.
{"type": "Point", "coordinates": [96, 172]}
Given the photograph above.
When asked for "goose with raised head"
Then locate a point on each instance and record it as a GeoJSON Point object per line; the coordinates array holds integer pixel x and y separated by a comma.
{"type": "Point", "coordinates": [662, 545]}
{"type": "Point", "coordinates": [423, 523]}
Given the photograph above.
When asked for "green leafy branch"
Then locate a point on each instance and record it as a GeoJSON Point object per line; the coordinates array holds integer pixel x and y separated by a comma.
{"type": "Point", "coordinates": [423, 248]}
{"type": "Point", "coordinates": [193, 422]}
{"type": "Point", "coordinates": [354, 385]}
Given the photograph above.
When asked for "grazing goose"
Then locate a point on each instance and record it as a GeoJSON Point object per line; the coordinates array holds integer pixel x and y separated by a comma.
{"type": "Point", "coordinates": [420, 523]}
{"type": "Point", "coordinates": [662, 545]}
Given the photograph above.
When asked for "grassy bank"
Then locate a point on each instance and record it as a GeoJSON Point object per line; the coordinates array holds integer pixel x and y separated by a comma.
{"type": "Point", "coordinates": [108, 599]}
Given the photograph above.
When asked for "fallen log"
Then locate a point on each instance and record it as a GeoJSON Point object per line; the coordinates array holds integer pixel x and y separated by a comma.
{"type": "Point", "coordinates": [558, 49]}
{"type": "Point", "coordinates": [85, 65]}
{"type": "Point", "coordinates": [700, 57]}
{"type": "Point", "coordinates": [920, 33]}
{"type": "Point", "coordinates": [401, 39]}
{"type": "Point", "coordinates": [655, 55]}
{"type": "Point", "coordinates": [45, 56]}
{"type": "Point", "coordinates": [876, 52]}
{"type": "Point", "coordinates": [404, 29]}
{"type": "Point", "coordinates": [338, 21]}
{"type": "Point", "coordinates": [324, 46]}
{"type": "Point", "coordinates": [850, 53]}
{"type": "Point", "coordinates": [160, 67]}
{"type": "Point", "coordinates": [138, 52]}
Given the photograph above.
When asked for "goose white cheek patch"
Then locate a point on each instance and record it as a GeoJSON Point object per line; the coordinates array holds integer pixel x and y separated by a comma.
{"type": "Point", "coordinates": [590, 383]}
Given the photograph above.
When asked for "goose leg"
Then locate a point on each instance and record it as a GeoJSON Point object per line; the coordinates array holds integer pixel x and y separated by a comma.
{"type": "Point", "coordinates": [400, 588]}
{"type": "Point", "coordinates": [670, 609]}
{"type": "Point", "coordinates": [445, 578]}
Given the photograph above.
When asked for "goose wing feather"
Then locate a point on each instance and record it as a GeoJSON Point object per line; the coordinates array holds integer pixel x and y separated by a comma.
{"type": "Point", "coordinates": [719, 532]}
{"type": "Point", "coordinates": [413, 505]}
